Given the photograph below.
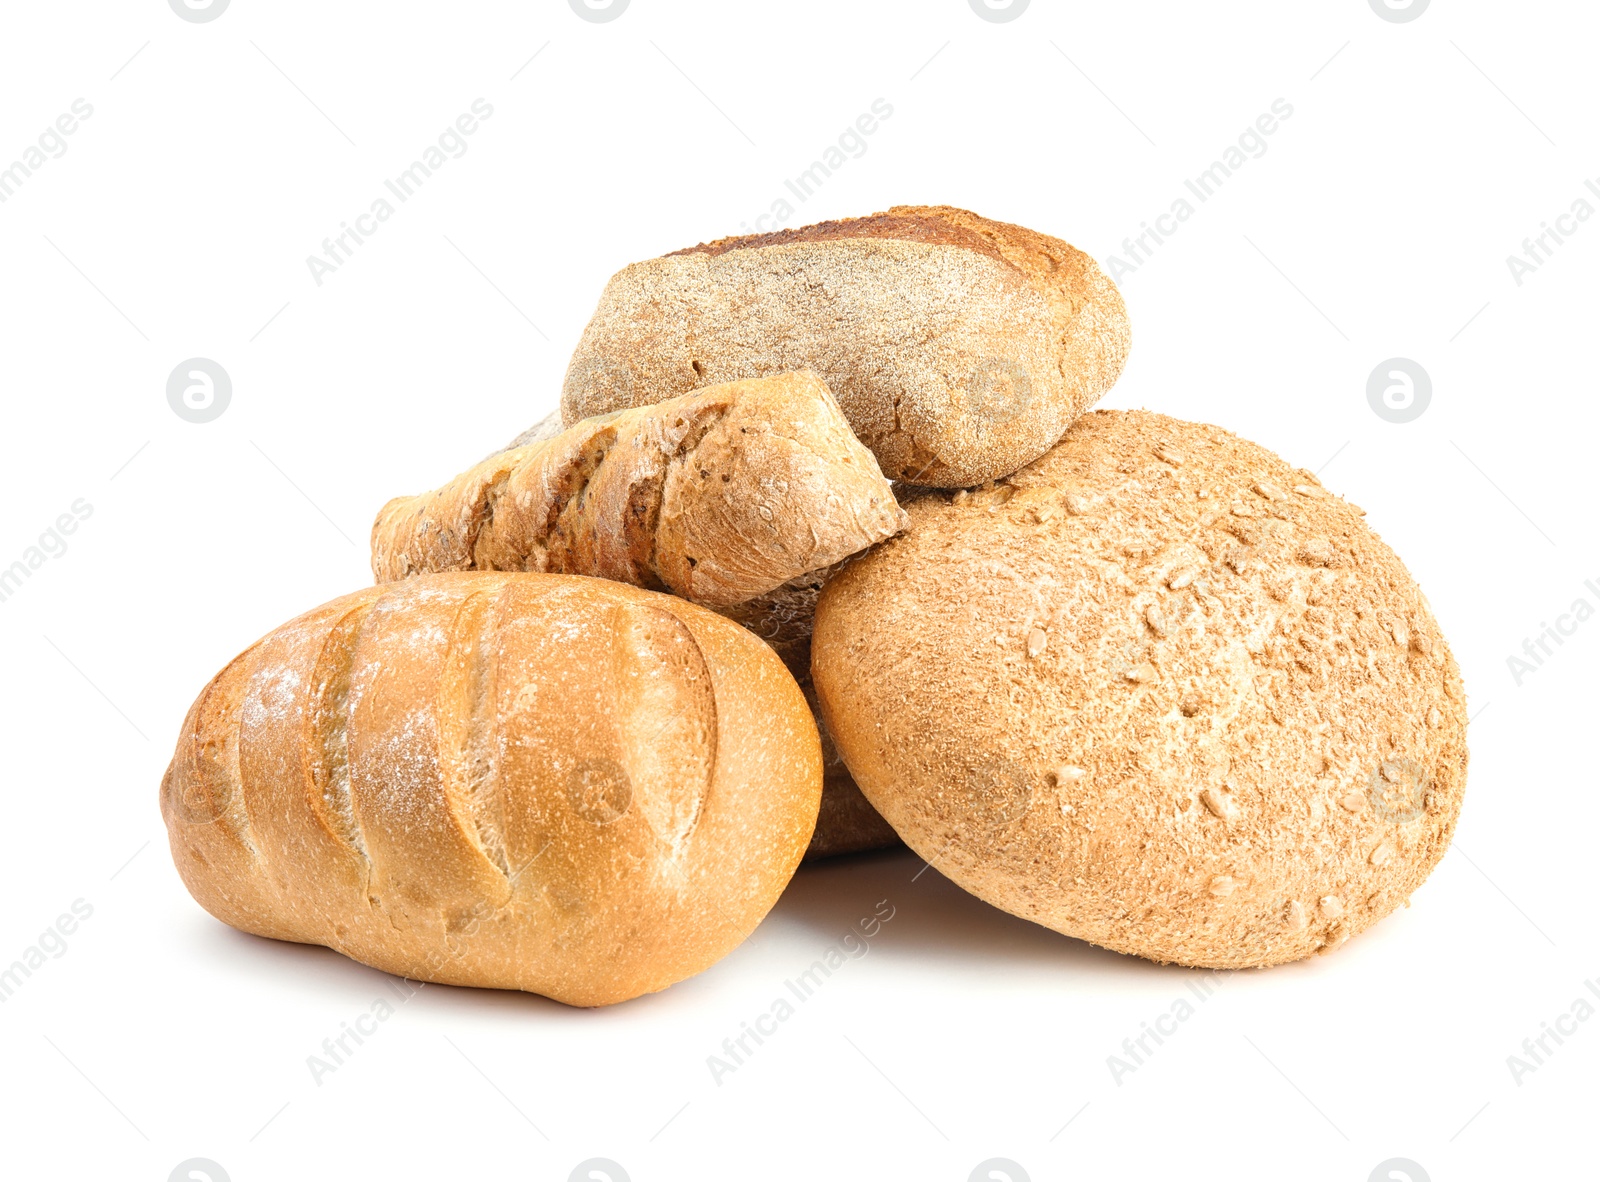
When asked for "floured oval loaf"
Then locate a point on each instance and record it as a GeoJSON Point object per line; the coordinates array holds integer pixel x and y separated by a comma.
{"type": "Point", "coordinates": [960, 348]}
{"type": "Point", "coordinates": [718, 496]}
{"type": "Point", "coordinates": [1158, 691]}
{"type": "Point", "coordinates": [540, 782]}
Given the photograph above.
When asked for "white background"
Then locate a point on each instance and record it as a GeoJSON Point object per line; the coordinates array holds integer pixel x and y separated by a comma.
{"type": "Point", "coordinates": [177, 224]}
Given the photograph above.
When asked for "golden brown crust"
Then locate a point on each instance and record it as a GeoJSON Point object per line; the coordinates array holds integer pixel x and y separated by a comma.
{"type": "Point", "coordinates": [540, 782]}
{"type": "Point", "coordinates": [959, 348]}
{"type": "Point", "coordinates": [1158, 691]}
{"type": "Point", "coordinates": [718, 496]}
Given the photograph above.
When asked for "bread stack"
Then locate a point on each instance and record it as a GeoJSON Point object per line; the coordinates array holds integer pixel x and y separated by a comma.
{"type": "Point", "coordinates": [1133, 678]}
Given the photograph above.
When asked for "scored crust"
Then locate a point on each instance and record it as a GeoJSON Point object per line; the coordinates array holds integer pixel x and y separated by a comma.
{"type": "Point", "coordinates": [1158, 691]}
{"type": "Point", "coordinates": [541, 782]}
{"type": "Point", "coordinates": [717, 496]}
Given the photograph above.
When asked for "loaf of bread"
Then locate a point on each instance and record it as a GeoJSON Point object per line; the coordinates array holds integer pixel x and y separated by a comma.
{"type": "Point", "coordinates": [542, 782]}
{"type": "Point", "coordinates": [846, 822]}
{"type": "Point", "coordinates": [717, 496]}
{"type": "Point", "coordinates": [1158, 691]}
{"type": "Point", "coordinates": [960, 348]}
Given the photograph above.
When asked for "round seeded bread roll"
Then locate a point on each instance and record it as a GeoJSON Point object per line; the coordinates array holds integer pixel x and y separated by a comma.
{"type": "Point", "coordinates": [544, 782]}
{"type": "Point", "coordinates": [1158, 691]}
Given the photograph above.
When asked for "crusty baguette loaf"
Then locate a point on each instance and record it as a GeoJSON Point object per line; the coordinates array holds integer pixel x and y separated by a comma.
{"type": "Point", "coordinates": [1158, 691]}
{"type": "Point", "coordinates": [717, 496]}
{"type": "Point", "coordinates": [542, 782]}
{"type": "Point", "coordinates": [960, 348]}
{"type": "Point", "coordinates": [846, 821]}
